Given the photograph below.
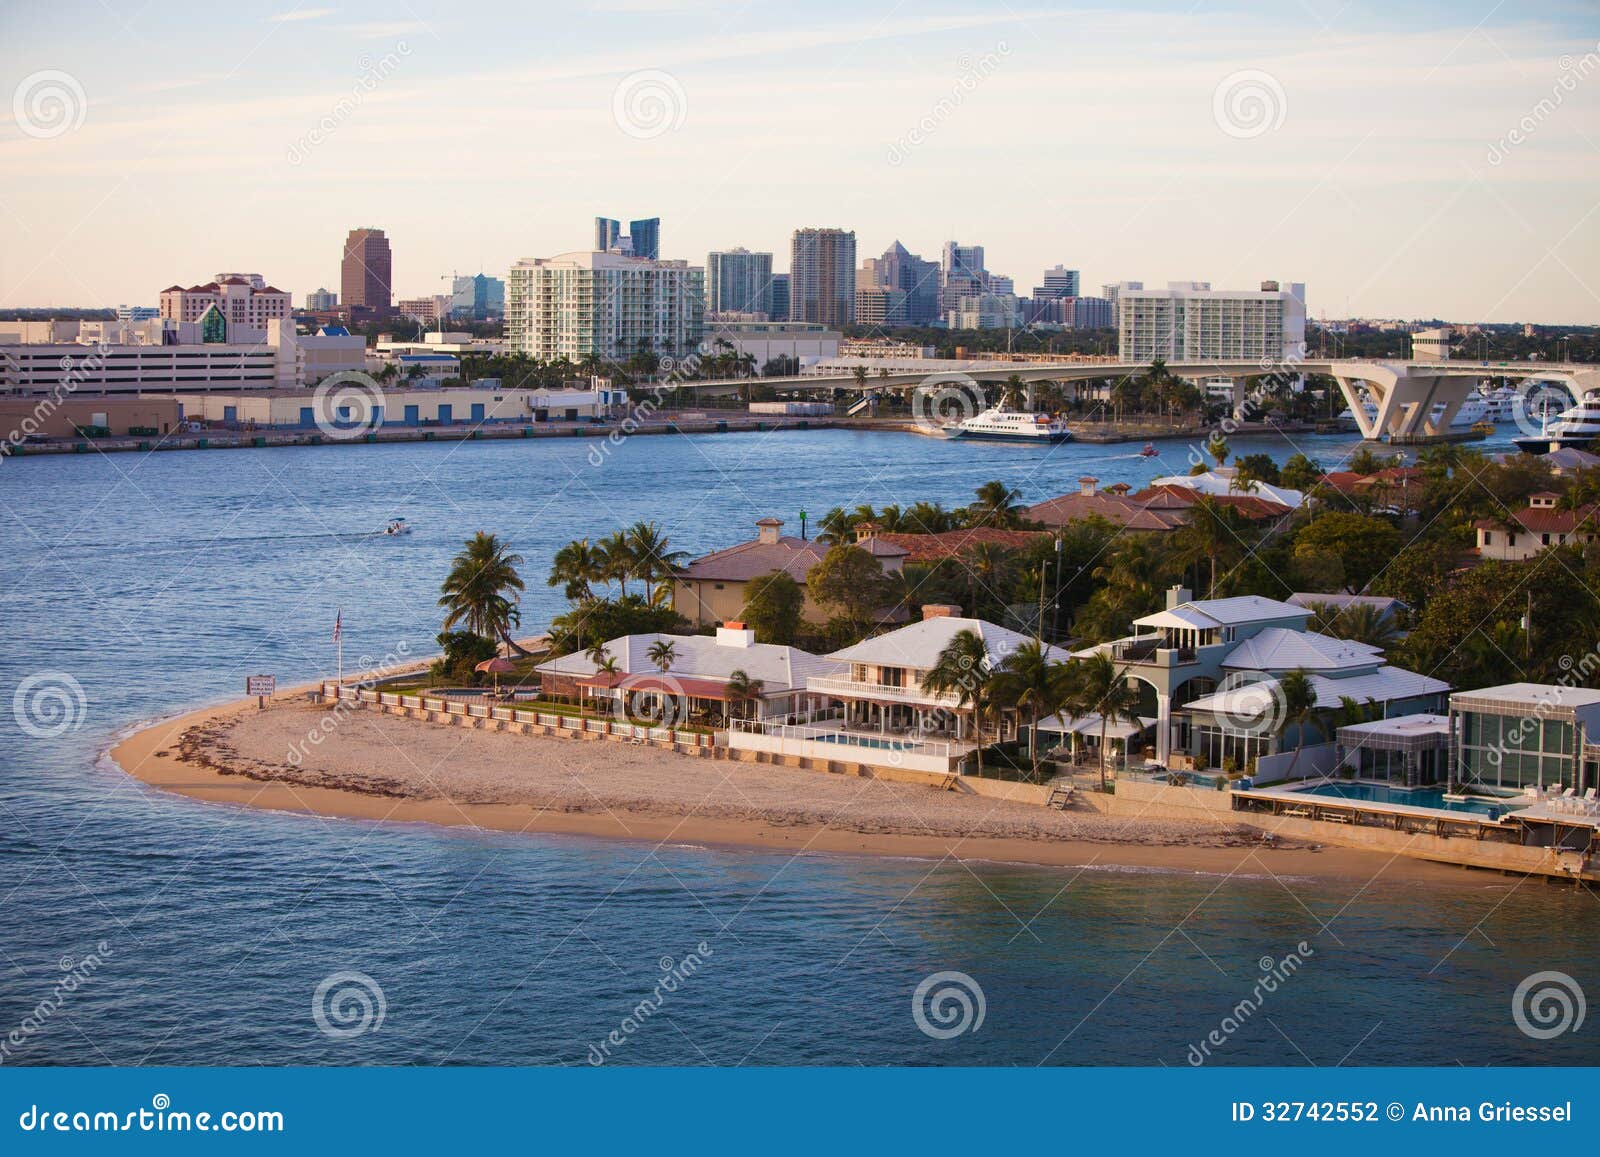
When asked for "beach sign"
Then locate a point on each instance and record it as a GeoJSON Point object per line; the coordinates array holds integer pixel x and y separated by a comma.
{"type": "Point", "coordinates": [260, 686]}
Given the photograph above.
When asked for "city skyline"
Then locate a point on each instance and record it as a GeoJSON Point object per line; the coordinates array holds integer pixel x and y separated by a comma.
{"type": "Point", "coordinates": [1267, 144]}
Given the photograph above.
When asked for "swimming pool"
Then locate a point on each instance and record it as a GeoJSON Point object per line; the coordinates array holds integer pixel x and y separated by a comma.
{"type": "Point", "coordinates": [1430, 797]}
{"type": "Point", "coordinates": [865, 741]}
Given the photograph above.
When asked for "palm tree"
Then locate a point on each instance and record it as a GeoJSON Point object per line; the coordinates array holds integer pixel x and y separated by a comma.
{"type": "Point", "coordinates": [1359, 622]}
{"type": "Point", "coordinates": [663, 653]}
{"type": "Point", "coordinates": [1031, 682]}
{"type": "Point", "coordinates": [1097, 686]}
{"type": "Point", "coordinates": [963, 669]}
{"type": "Point", "coordinates": [653, 558]}
{"type": "Point", "coordinates": [616, 560]}
{"type": "Point", "coordinates": [578, 565]}
{"type": "Point", "coordinates": [1299, 705]}
{"type": "Point", "coordinates": [836, 527]}
{"type": "Point", "coordinates": [1012, 393]}
{"type": "Point", "coordinates": [481, 590]}
{"type": "Point", "coordinates": [988, 567]}
{"type": "Point", "coordinates": [1214, 530]}
{"type": "Point", "coordinates": [996, 505]}
{"type": "Point", "coordinates": [742, 689]}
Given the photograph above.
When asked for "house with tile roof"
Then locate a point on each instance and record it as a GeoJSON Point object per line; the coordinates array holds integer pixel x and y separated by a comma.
{"type": "Point", "coordinates": [1112, 504]}
{"type": "Point", "coordinates": [713, 588]}
{"type": "Point", "coordinates": [698, 678]}
{"type": "Point", "coordinates": [1537, 527]}
{"type": "Point", "coordinates": [1210, 668]}
{"type": "Point", "coordinates": [926, 548]}
{"type": "Point", "coordinates": [877, 710]}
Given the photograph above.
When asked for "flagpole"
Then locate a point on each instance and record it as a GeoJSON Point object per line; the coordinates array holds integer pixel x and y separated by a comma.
{"type": "Point", "coordinates": [338, 639]}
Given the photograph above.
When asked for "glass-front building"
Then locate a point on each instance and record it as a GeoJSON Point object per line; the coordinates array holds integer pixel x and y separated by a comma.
{"type": "Point", "coordinates": [1526, 735]}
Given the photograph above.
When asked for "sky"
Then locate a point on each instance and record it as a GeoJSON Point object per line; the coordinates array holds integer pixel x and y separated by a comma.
{"type": "Point", "coordinates": [1403, 160]}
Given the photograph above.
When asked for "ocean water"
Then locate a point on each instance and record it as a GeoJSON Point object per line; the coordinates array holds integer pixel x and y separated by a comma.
{"type": "Point", "coordinates": [134, 587]}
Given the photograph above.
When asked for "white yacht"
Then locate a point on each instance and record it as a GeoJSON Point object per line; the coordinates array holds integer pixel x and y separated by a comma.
{"type": "Point", "coordinates": [1003, 425]}
{"type": "Point", "coordinates": [1473, 410]}
{"type": "Point", "coordinates": [1575, 429]}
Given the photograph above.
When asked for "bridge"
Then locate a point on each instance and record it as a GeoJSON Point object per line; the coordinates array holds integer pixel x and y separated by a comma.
{"type": "Point", "coordinates": [1406, 393]}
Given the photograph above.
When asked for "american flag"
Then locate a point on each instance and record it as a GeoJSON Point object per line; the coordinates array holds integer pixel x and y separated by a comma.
{"type": "Point", "coordinates": [338, 629]}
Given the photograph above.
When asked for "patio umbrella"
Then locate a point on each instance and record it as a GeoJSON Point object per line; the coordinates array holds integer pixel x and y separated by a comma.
{"type": "Point", "coordinates": [496, 666]}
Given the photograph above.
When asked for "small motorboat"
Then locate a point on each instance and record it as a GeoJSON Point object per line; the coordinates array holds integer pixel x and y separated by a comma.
{"type": "Point", "coordinates": [1149, 450]}
{"type": "Point", "coordinates": [397, 526]}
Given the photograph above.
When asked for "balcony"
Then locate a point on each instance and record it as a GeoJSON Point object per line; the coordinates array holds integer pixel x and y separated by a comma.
{"type": "Point", "coordinates": [1151, 651]}
{"type": "Point", "coordinates": [847, 688]}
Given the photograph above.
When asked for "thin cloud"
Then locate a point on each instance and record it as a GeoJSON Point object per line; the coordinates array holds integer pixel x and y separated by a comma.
{"type": "Point", "coordinates": [295, 15]}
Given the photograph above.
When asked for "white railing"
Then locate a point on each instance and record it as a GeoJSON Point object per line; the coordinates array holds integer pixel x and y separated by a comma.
{"type": "Point", "coordinates": [851, 689]}
{"type": "Point", "coordinates": [846, 740]}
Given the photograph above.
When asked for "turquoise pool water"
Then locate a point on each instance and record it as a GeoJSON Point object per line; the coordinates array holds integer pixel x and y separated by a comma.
{"type": "Point", "coordinates": [1415, 797]}
{"type": "Point", "coordinates": [866, 741]}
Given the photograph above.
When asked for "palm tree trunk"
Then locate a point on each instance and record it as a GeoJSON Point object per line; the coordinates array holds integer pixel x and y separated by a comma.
{"type": "Point", "coordinates": [505, 637]}
{"type": "Point", "coordinates": [1102, 753]}
{"type": "Point", "coordinates": [1033, 745]}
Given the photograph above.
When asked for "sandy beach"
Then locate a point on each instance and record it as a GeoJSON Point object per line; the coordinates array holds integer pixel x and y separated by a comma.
{"type": "Point", "coordinates": [384, 768]}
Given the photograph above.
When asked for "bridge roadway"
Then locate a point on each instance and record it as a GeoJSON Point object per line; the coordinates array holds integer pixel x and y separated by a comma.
{"type": "Point", "coordinates": [1406, 392]}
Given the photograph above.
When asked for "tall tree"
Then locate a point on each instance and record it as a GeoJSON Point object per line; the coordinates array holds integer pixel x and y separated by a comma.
{"type": "Point", "coordinates": [576, 567]}
{"type": "Point", "coordinates": [773, 607]}
{"type": "Point", "coordinates": [654, 560]}
{"type": "Point", "coordinates": [850, 580]}
{"type": "Point", "coordinates": [482, 588]}
{"type": "Point", "coordinates": [963, 669]}
{"type": "Point", "coordinates": [1097, 686]}
{"type": "Point", "coordinates": [1031, 682]}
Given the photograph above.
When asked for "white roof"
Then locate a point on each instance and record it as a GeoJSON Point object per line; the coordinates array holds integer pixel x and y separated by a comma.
{"type": "Point", "coordinates": [1206, 613]}
{"type": "Point", "coordinates": [1090, 725]}
{"type": "Point", "coordinates": [703, 657]}
{"type": "Point", "coordinates": [919, 644]}
{"type": "Point", "coordinates": [1421, 724]}
{"type": "Point", "coordinates": [1223, 482]}
{"type": "Point", "coordinates": [1277, 649]}
{"type": "Point", "coordinates": [1313, 598]}
{"type": "Point", "coordinates": [1534, 695]}
{"type": "Point", "coordinates": [1385, 685]}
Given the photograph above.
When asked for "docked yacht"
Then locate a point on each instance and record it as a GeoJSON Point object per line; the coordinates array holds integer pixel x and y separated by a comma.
{"type": "Point", "coordinates": [1473, 410]}
{"type": "Point", "coordinates": [1575, 429]}
{"type": "Point", "coordinates": [1003, 425]}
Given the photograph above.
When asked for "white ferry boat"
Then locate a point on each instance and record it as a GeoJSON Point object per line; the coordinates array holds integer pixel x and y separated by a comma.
{"type": "Point", "coordinates": [1575, 429]}
{"type": "Point", "coordinates": [1003, 425]}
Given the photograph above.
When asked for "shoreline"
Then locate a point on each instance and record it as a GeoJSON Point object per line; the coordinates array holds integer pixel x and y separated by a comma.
{"type": "Point", "coordinates": [151, 754]}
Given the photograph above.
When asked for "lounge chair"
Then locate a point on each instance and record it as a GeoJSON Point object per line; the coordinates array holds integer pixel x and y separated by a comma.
{"type": "Point", "coordinates": [1590, 794]}
{"type": "Point", "coordinates": [1570, 792]}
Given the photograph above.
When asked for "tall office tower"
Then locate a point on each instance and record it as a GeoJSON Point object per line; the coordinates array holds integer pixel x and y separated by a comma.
{"type": "Point", "coordinates": [1084, 312]}
{"type": "Point", "coordinates": [646, 237]}
{"type": "Point", "coordinates": [607, 233]}
{"type": "Point", "coordinates": [1058, 283]}
{"type": "Point", "coordinates": [961, 275]}
{"type": "Point", "coordinates": [366, 274]}
{"type": "Point", "coordinates": [1189, 321]}
{"type": "Point", "coordinates": [478, 297]}
{"type": "Point", "coordinates": [780, 297]}
{"type": "Point", "coordinates": [912, 276]}
{"type": "Point", "coordinates": [739, 281]}
{"type": "Point", "coordinates": [822, 273]}
{"type": "Point", "coordinates": [321, 299]}
{"type": "Point", "coordinates": [607, 304]}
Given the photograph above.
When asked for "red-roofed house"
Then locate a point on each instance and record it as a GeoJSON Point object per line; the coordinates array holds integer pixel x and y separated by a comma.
{"type": "Point", "coordinates": [949, 543]}
{"type": "Point", "coordinates": [1169, 497]}
{"type": "Point", "coordinates": [712, 589]}
{"type": "Point", "coordinates": [1112, 504]}
{"type": "Point", "coordinates": [1541, 525]}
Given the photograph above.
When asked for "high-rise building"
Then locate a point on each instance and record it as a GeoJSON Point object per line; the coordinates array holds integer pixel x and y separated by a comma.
{"type": "Point", "coordinates": [1189, 321]}
{"type": "Point", "coordinates": [478, 297]}
{"type": "Point", "coordinates": [822, 272]}
{"type": "Point", "coordinates": [1084, 312]}
{"type": "Point", "coordinates": [1058, 282]}
{"type": "Point", "coordinates": [739, 281]}
{"type": "Point", "coordinates": [131, 313]}
{"type": "Point", "coordinates": [985, 311]}
{"type": "Point", "coordinates": [880, 305]}
{"type": "Point", "coordinates": [431, 309]}
{"type": "Point", "coordinates": [236, 297]}
{"type": "Point", "coordinates": [917, 279]}
{"type": "Point", "coordinates": [1111, 291]}
{"type": "Point", "coordinates": [780, 297]}
{"type": "Point", "coordinates": [607, 232]}
{"type": "Point", "coordinates": [609, 305]}
{"type": "Point", "coordinates": [322, 300]}
{"type": "Point", "coordinates": [366, 275]}
{"type": "Point", "coordinates": [646, 237]}
{"type": "Point", "coordinates": [961, 275]}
